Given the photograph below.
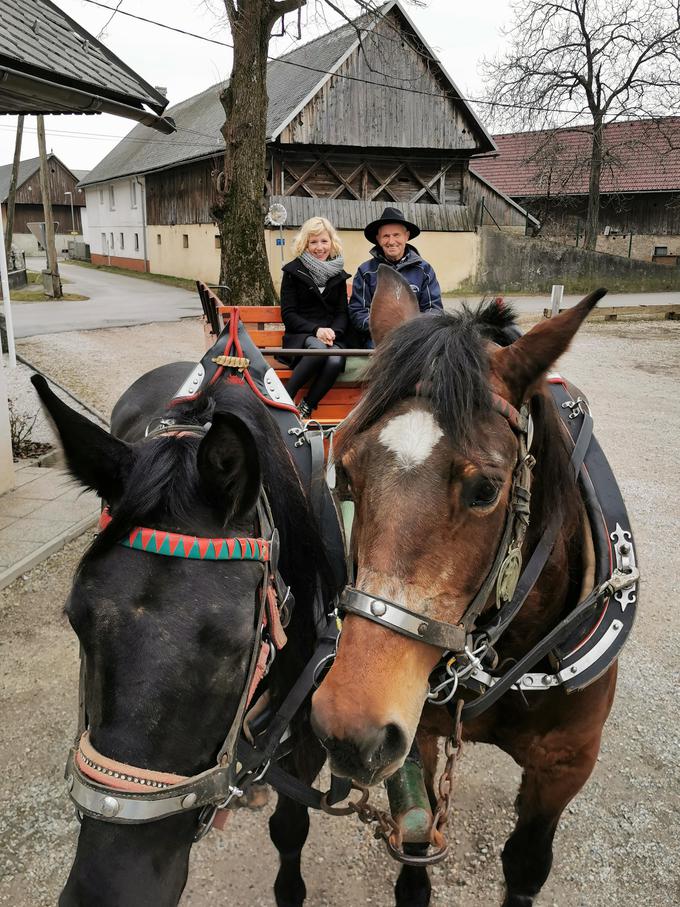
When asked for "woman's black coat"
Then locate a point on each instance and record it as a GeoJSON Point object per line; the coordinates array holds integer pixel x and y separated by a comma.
{"type": "Point", "coordinates": [305, 309]}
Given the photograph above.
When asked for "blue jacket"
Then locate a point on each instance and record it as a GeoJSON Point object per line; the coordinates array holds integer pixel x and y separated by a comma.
{"type": "Point", "coordinates": [417, 272]}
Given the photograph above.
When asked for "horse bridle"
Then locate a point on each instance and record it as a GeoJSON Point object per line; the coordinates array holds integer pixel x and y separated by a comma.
{"type": "Point", "coordinates": [103, 788]}
{"type": "Point", "coordinates": [504, 573]}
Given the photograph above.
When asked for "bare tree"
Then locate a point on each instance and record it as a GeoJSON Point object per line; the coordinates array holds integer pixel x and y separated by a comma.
{"type": "Point", "coordinates": [240, 207]}
{"type": "Point", "coordinates": [587, 61]}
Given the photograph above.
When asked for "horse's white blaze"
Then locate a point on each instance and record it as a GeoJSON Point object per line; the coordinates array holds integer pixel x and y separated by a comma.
{"type": "Point", "coordinates": [411, 437]}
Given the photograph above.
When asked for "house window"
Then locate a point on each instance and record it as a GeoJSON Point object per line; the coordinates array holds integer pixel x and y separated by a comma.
{"type": "Point", "coordinates": [111, 239]}
{"type": "Point", "coordinates": [185, 240]}
{"type": "Point", "coordinates": [104, 244]}
{"type": "Point", "coordinates": [101, 196]}
{"type": "Point", "coordinates": [133, 194]}
{"type": "Point", "coordinates": [122, 240]}
{"type": "Point", "coordinates": [218, 242]}
{"type": "Point", "coordinates": [660, 250]}
{"type": "Point", "coordinates": [136, 242]}
{"type": "Point", "coordinates": [158, 239]}
{"type": "Point", "coordinates": [112, 199]}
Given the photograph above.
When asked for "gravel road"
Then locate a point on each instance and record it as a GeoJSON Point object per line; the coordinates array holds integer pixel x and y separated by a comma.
{"type": "Point", "coordinates": [617, 843]}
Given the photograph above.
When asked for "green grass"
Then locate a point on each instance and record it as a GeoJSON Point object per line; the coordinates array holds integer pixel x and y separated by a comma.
{"type": "Point", "coordinates": [40, 296]}
{"type": "Point", "coordinates": [167, 279]}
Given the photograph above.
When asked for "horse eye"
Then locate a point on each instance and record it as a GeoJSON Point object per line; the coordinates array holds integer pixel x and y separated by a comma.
{"type": "Point", "coordinates": [484, 493]}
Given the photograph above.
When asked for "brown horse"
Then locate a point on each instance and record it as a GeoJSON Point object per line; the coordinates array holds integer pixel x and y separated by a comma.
{"type": "Point", "coordinates": [429, 457]}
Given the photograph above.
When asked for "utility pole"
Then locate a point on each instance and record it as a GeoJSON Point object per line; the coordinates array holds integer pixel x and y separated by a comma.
{"type": "Point", "coordinates": [13, 185]}
{"type": "Point", "coordinates": [54, 281]}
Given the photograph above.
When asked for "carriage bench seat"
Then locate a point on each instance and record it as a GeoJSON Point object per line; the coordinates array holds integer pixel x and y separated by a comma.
{"type": "Point", "coordinates": [266, 330]}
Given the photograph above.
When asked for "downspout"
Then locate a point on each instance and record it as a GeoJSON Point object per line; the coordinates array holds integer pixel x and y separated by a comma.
{"type": "Point", "coordinates": [143, 194]}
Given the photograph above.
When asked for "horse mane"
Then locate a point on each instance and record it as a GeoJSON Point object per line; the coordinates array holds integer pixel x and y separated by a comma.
{"type": "Point", "coordinates": [445, 357]}
{"type": "Point", "coordinates": [164, 482]}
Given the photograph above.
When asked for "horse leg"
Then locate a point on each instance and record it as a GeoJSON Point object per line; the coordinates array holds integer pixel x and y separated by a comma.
{"type": "Point", "coordinates": [288, 829]}
{"type": "Point", "coordinates": [556, 766]}
{"type": "Point", "coordinates": [413, 887]}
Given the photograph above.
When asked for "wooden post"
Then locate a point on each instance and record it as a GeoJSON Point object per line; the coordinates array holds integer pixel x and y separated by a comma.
{"type": "Point", "coordinates": [556, 299]}
{"type": "Point", "coordinates": [11, 197]}
{"type": "Point", "coordinates": [50, 245]}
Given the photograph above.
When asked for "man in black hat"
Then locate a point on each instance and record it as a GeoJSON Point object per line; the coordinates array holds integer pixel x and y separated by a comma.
{"type": "Point", "coordinates": [390, 235]}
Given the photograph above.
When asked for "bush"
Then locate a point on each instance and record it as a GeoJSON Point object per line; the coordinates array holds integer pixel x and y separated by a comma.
{"type": "Point", "coordinates": [21, 427]}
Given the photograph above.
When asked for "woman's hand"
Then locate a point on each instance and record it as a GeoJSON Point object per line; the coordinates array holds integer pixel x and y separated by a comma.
{"type": "Point", "coordinates": [326, 335]}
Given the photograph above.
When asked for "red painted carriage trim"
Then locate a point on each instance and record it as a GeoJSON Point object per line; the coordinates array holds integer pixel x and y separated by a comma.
{"type": "Point", "coordinates": [173, 544]}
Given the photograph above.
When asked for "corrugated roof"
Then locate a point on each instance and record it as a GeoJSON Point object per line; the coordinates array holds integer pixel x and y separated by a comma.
{"type": "Point", "coordinates": [26, 170]}
{"type": "Point", "coordinates": [200, 118]}
{"type": "Point", "coordinates": [50, 64]}
{"type": "Point", "coordinates": [641, 156]}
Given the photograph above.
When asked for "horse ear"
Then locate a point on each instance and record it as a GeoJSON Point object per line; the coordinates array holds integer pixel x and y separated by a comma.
{"type": "Point", "coordinates": [97, 459]}
{"type": "Point", "coordinates": [525, 361]}
{"type": "Point", "coordinates": [394, 302]}
{"type": "Point", "coordinates": [229, 465]}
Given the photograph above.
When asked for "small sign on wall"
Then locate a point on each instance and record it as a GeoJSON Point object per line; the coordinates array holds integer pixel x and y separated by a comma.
{"type": "Point", "coordinates": [280, 241]}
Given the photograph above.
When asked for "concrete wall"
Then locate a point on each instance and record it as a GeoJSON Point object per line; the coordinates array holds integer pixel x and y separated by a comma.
{"type": "Point", "coordinates": [516, 264]}
{"type": "Point", "coordinates": [27, 243]}
{"type": "Point", "coordinates": [192, 251]}
{"type": "Point", "coordinates": [115, 221]}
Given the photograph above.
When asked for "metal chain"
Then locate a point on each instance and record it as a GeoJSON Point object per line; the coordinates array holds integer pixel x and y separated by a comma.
{"type": "Point", "coordinates": [388, 829]}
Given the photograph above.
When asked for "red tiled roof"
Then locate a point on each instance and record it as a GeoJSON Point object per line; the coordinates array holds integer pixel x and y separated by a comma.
{"type": "Point", "coordinates": [641, 156]}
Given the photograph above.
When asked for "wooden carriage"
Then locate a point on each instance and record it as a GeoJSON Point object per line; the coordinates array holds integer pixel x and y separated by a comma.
{"type": "Point", "coordinates": [265, 328]}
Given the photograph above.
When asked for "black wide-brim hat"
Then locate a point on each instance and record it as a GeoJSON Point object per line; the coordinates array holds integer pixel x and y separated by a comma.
{"type": "Point", "coordinates": [390, 216]}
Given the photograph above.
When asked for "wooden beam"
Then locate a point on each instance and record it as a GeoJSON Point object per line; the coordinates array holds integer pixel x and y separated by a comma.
{"type": "Point", "coordinates": [47, 208]}
{"type": "Point", "coordinates": [11, 196]}
{"type": "Point", "coordinates": [427, 186]}
{"type": "Point", "coordinates": [300, 180]}
{"type": "Point", "coordinates": [383, 186]}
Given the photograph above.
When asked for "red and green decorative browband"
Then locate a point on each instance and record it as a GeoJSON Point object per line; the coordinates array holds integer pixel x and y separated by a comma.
{"type": "Point", "coordinates": [172, 544]}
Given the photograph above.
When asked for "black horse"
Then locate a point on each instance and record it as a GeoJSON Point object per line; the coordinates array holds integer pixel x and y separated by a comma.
{"type": "Point", "coordinates": [167, 641]}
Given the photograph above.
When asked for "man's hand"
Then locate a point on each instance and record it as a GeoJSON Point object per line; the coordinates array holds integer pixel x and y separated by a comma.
{"type": "Point", "coordinates": [326, 335]}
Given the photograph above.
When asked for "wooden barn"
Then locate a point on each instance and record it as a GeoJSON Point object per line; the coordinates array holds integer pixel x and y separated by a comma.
{"type": "Point", "coordinates": [547, 173]}
{"type": "Point", "coordinates": [354, 124]}
{"type": "Point", "coordinates": [28, 207]}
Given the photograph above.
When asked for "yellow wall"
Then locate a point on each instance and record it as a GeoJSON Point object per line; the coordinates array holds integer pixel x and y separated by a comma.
{"type": "Point", "coordinates": [452, 255]}
{"type": "Point", "coordinates": [200, 261]}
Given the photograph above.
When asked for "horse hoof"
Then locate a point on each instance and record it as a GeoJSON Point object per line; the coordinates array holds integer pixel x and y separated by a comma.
{"type": "Point", "coordinates": [518, 900]}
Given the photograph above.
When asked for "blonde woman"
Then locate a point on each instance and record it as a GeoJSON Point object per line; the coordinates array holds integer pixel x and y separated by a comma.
{"type": "Point", "coordinates": [314, 310]}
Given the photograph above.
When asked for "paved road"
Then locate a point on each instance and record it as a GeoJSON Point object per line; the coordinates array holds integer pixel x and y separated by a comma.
{"type": "Point", "coordinates": [114, 301]}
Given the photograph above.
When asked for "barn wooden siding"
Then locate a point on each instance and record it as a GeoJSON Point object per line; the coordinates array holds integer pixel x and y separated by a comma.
{"type": "Point", "coordinates": [652, 213]}
{"type": "Point", "coordinates": [59, 180]}
{"type": "Point", "coordinates": [182, 195]}
{"type": "Point", "coordinates": [350, 112]}
{"type": "Point", "coordinates": [354, 215]}
{"type": "Point", "coordinates": [496, 207]}
{"type": "Point", "coordinates": [27, 214]}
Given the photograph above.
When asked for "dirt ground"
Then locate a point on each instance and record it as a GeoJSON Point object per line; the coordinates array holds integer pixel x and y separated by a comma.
{"type": "Point", "coordinates": [617, 843]}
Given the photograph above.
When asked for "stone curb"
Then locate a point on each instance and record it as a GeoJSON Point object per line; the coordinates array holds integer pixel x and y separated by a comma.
{"type": "Point", "coordinates": [44, 551]}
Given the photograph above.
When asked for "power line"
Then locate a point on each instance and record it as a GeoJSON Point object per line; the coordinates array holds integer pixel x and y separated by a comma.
{"type": "Point", "coordinates": [337, 75]}
{"type": "Point", "coordinates": [109, 20]}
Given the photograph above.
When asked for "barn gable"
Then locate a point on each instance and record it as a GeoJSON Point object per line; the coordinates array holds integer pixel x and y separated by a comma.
{"type": "Point", "coordinates": [389, 76]}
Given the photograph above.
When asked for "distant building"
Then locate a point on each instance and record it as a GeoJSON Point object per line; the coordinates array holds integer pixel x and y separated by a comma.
{"type": "Point", "coordinates": [548, 172]}
{"type": "Point", "coordinates": [28, 208]}
{"type": "Point", "coordinates": [344, 140]}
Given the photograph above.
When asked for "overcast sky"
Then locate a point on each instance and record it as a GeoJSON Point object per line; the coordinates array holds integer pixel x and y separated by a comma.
{"type": "Point", "coordinates": [461, 33]}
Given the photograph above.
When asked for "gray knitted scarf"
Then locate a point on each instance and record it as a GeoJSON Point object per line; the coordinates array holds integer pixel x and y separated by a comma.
{"type": "Point", "coordinates": [322, 271]}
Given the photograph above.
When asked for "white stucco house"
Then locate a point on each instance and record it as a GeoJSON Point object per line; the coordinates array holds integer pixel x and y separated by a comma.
{"type": "Point", "coordinates": [116, 223]}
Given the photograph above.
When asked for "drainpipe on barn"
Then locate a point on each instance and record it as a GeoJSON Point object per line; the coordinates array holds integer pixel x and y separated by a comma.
{"type": "Point", "coordinates": [142, 188]}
